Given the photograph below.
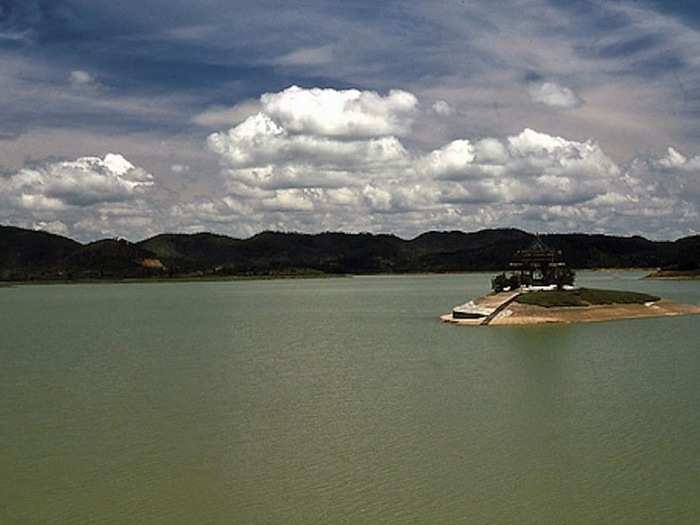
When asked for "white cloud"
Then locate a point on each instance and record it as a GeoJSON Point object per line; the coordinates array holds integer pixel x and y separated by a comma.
{"type": "Point", "coordinates": [73, 196]}
{"type": "Point", "coordinates": [637, 98]}
{"type": "Point", "coordinates": [676, 160]}
{"type": "Point", "coordinates": [290, 200]}
{"type": "Point", "coordinates": [528, 167]}
{"type": "Point", "coordinates": [285, 169]}
{"type": "Point", "coordinates": [289, 159]}
{"type": "Point", "coordinates": [312, 177]}
{"type": "Point", "coordinates": [307, 56]}
{"type": "Point", "coordinates": [442, 108]}
{"type": "Point", "coordinates": [79, 78]}
{"type": "Point", "coordinates": [15, 36]}
{"type": "Point", "coordinates": [341, 113]}
{"type": "Point", "coordinates": [554, 95]}
{"type": "Point", "coordinates": [260, 141]}
{"type": "Point", "coordinates": [490, 151]}
{"type": "Point", "coordinates": [272, 177]}
{"type": "Point", "coordinates": [453, 158]}
{"type": "Point", "coordinates": [56, 227]}
{"type": "Point", "coordinates": [671, 176]}
{"type": "Point", "coordinates": [82, 182]}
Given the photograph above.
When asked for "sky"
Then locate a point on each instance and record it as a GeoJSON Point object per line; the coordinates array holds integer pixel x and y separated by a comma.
{"type": "Point", "coordinates": [133, 118]}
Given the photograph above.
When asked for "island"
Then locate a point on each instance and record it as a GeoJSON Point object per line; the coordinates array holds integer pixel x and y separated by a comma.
{"type": "Point", "coordinates": [539, 288]}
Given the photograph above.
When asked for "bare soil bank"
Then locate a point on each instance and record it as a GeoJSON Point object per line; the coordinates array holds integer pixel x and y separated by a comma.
{"type": "Point", "coordinates": [520, 314]}
{"type": "Point", "coordinates": [524, 314]}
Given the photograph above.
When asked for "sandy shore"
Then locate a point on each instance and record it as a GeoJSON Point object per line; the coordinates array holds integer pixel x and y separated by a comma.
{"type": "Point", "coordinates": [522, 314]}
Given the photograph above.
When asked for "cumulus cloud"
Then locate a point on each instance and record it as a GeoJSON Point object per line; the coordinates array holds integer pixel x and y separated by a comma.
{"type": "Point", "coordinates": [286, 168]}
{"type": "Point", "coordinates": [261, 141]}
{"type": "Point", "coordinates": [311, 150]}
{"type": "Point", "coordinates": [554, 95]}
{"type": "Point", "coordinates": [530, 167]}
{"type": "Point", "coordinates": [56, 195]}
{"type": "Point", "coordinates": [672, 178]}
{"type": "Point", "coordinates": [676, 160]}
{"type": "Point", "coordinates": [82, 182]}
{"type": "Point", "coordinates": [341, 113]}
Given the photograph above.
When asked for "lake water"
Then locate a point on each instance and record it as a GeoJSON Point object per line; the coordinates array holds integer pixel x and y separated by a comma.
{"type": "Point", "coordinates": [340, 401]}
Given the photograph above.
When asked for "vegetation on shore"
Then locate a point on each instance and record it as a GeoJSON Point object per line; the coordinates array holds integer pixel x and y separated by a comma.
{"type": "Point", "coordinates": [27, 255]}
{"type": "Point", "coordinates": [583, 297]}
{"type": "Point", "coordinates": [679, 275]}
{"type": "Point", "coordinates": [176, 279]}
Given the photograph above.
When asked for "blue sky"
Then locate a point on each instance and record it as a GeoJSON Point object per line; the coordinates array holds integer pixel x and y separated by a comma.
{"type": "Point", "coordinates": [545, 115]}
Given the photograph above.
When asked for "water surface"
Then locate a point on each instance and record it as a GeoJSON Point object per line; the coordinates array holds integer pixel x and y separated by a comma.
{"type": "Point", "coordinates": [340, 401]}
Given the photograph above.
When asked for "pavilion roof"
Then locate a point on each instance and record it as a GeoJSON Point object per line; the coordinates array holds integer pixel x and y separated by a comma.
{"type": "Point", "coordinates": [538, 251]}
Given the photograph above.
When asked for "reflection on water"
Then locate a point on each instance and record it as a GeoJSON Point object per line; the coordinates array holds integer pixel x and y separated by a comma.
{"type": "Point", "coordinates": [340, 401]}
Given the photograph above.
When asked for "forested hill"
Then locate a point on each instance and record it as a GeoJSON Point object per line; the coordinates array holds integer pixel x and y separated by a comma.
{"type": "Point", "coordinates": [29, 255]}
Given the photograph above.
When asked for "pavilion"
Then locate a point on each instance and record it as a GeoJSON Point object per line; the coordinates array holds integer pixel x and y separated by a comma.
{"type": "Point", "coordinates": [536, 266]}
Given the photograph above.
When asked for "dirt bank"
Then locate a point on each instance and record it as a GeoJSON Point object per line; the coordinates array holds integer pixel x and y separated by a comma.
{"type": "Point", "coordinates": [523, 314]}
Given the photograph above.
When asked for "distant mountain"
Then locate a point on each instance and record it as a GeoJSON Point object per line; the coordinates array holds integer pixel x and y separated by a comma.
{"type": "Point", "coordinates": [36, 255]}
{"type": "Point", "coordinates": [606, 251]}
{"type": "Point", "coordinates": [110, 258]}
{"type": "Point", "coordinates": [27, 254]}
{"type": "Point", "coordinates": [184, 252]}
{"type": "Point", "coordinates": [688, 258]}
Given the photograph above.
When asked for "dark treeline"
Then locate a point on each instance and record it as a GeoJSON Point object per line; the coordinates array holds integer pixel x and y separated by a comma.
{"type": "Point", "coordinates": [34, 255]}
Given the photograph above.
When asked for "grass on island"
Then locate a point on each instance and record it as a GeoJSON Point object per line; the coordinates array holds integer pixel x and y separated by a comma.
{"type": "Point", "coordinates": [583, 297]}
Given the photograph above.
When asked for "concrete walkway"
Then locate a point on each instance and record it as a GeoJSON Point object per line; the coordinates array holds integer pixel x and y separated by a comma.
{"type": "Point", "coordinates": [491, 305]}
{"type": "Point", "coordinates": [499, 309]}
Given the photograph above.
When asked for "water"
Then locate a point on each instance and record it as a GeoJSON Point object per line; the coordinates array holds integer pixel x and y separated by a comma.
{"type": "Point", "coordinates": [340, 401]}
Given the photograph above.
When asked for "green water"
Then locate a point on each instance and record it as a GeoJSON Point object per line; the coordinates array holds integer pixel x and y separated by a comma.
{"type": "Point", "coordinates": [340, 401]}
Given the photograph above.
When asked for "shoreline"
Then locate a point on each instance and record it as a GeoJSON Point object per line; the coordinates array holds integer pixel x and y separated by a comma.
{"type": "Point", "coordinates": [527, 315]}
{"type": "Point", "coordinates": [165, 280]}
{"type": "Point", "coordinates": [680, 277]}
{"type": "Point", "coordinates": [518, 314]}
{"type": "Point", "coordinates": [215, 278]}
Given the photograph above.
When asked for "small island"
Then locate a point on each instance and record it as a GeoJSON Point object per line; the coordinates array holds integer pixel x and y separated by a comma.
{"type": "Point", "coordinates": [539, 288]}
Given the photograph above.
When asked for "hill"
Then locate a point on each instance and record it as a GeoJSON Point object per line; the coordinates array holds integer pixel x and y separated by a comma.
{"type": "Point", "coordinates": [110, 258]}
{"type": "Point", "coordinates": [27, 254]}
